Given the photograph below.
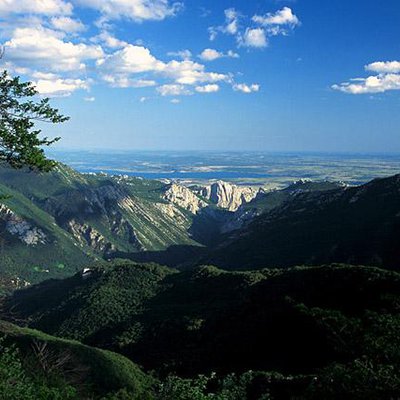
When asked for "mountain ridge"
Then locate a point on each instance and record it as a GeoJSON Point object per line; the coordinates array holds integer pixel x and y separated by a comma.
{"type": "Point", "coordinates": [56, 223]}
{"type": "Point", "coordinates": [350, 224]}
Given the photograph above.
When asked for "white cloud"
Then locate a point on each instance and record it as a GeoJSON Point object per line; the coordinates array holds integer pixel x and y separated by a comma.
{"type": "Point", "coordinates": [136, 10]}
{"type": "Point", "coordinates": [211, 88]}
{"type": "Point", "coordinates": [253, 37]}
{"type": "Point", "coordinates": [53, 86]}
{"type": "Point", "coordinates": [138, 59]}
{"type": "Point", "coordinates": [372, 84]}
{"type": "Point", "coordinates": [90, 99]}
{"type": "Point", "coordinates": [67, 24]}
{"type": "Point", "coordinates": [108, 40]}
{"type": "Point", "coordinates": [231, 26]}
{"type": "Point", "coordinates": [43, 7]}
{"type": "Point", "coordinates": [131, 60]}
{"type": "Point", "coordinates": [232, 54]}
{"type": "Point", "coordinates": [190, 73]}
{"type": "Point", "coordinates": [212, 54]}
{"type": "Point", "coordinates": [44, 49]}
{"type": "Point", "coordinates": [281, 17]}
{"type": "Point", "coordinates": [232, 21]}
{"type": "Point", "coordinates": [278, 23]}
{"type": "Point", "coordinates": [43, 43]}
{"type": "Point", "coordinates": [387, 78]}
{"type": "Point", "coordinates": [244, 88]}
{"type": "Point", "coordinates": [182, 54]}
{"type": "Point", "coordinates": [173, 90]}
{"type": "Point", "coordinates": [175, 101]}
{"type": "Point", "coordinates": [384, 67]}
{"type": "Point", "coordinates": [126, 82]}
{"type": "Point", "coordinates": [257, 34]}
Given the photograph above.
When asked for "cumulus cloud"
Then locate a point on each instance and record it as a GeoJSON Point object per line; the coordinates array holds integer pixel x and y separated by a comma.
{"type": "Point", "coordinates": [130, 60]}
{"type": "Point", "coordinates": [43, 7]}
{"type": "Point", "coordinates": [136, 10]}
{"type": "Point", "coordinates": [67, 24]}
{"type": "Point", "coordinates": [281, 17]}
{"type": "Point", "coordinates": [138, 59]}
{"type": "Point", "coordinates": [49, 51]}
{"type": "Point", "coordinates": [44, 48]}
{"type": "Point", "coordinates": [55, 86]}
{"type": "Point", "coordinates": [257, 32]}
{"type": "Point", "coordinates": [126, 82]}
{"type": "Point", "coordinates": [383, 67]}
{"type": "Point", "coordinates": [173, 90]}
{"type": "Point", "coordinates": [387, 78]}
{"type": "Point", "coordinates": [211, 88]}
{"type": "Point", "coordinates": [90, 99]}
{"type": "Point", "coordinates": [253, 37]}
{"type": "Point", "coordinates": [43, 43]}
{"type": "Point", "coordinates": [212, 54]}
{"type": "Point", "coordinates": [372, 84]}
{"type": "Point", "coordinates": [232, 21]}
{"type": "Point", "coordinates": [190, 73]}
{"type": "Point", "coordinates": [182, 54]}
{"type": "Point", "coordinates": [231, 26]}
{"type": "Point", "coordinates": [108, 40]}
{"type": "Point", "coordinates": [279, 23]}
{"type": "Point", "coordinates": [244, 88]}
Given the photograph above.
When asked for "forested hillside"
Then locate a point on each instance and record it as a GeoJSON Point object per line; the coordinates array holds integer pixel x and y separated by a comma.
{"type": "Point", "coordinates": [358, 225]}
{"type": "Point", "coordinates": [301, 322]}
{"type": "Point", "coordinates": [57, 222]}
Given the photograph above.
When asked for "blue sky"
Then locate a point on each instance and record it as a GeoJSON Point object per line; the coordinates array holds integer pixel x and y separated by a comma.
{"type": "Point", "coordinates": [268, 75]}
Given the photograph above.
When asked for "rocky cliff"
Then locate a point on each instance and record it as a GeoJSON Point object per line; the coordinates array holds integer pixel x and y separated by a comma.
{"type": "Point", "coordinates": [20, 228]}
{"type": "Point", "coordinates": [227, 195]}
{"type": "Point", "coordinates": [184, 197]}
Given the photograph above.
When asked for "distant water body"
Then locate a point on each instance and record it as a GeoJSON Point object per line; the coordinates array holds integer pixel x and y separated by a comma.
{"type": "Point", "coordinates": [256, 168]}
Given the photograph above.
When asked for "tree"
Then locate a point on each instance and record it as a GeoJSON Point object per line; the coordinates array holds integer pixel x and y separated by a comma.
{"type": "Point", "coordinates": [20, 109]}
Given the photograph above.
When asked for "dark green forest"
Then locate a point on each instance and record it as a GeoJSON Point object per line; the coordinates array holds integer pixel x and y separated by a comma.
{"type": "Point", "coordinates": [306, 332]}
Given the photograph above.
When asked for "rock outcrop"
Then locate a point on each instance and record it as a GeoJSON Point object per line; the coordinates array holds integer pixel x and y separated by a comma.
{"type": "Point", "coordinates": [228, 196]}
{"type": "Point", "coordinates": [185, 198]}
{"type": "Point", "coordinates": [86, 234]}
{"type": "Point", "coordinates": [21, 228]}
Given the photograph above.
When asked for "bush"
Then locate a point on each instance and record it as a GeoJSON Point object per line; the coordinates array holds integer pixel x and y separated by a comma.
{"type": "Point", "coordinates": [16, 383]}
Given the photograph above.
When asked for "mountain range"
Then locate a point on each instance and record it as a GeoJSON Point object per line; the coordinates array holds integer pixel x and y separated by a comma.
{"type": "Point", "coordinates": [133, 289]}
{"type": "Point", "coordinates": [56, 223]}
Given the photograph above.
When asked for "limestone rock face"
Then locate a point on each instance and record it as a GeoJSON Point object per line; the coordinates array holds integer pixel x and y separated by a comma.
{"type": "Point", "coordinates": [22, 229]}
{"type": "Point", "coordinates": [86, 234]}
{"type": "Point", "coordinates": [228, 196]}
{"type": "Point", "coordinates": [185, 198]}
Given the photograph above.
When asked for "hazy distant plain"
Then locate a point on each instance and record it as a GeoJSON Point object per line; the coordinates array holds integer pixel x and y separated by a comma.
{"type": "Point", "coordinates": [245, 168]}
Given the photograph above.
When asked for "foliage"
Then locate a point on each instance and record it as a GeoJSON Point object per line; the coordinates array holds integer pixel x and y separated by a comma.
{"type": "Point", "coordinates": [361, 379]}
{"type": "Point", "coordinates": [293, 321]}
{"type": "Point", "coordinates": [67, 205]}
{"type": "Point", "coordinates": [354, 225]}
{"type": "Point", "coordinates": [20, 142]}
{"type": "Point", "coordinates": [18, 383]}
{"type": "Point", "coordinates": [51, 362]}
{"type": "Point", "coordinates": [207, 388]}
{"type": "Point", "coordinates": [330, 332]}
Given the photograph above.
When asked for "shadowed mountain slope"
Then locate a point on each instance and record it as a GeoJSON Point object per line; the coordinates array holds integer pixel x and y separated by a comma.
{"type": "Point", "coordinates": [358, 225]}
{"type": "Point", "coordinates": [292, 321]}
